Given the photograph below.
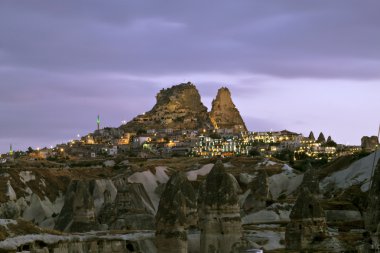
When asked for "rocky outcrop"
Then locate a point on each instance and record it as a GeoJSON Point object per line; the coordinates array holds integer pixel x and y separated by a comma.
{"type": "Point", "coordinates": [176, 212]}
{"type": "Point", "coordinates": [178, 107]}
{"type": "Point", "coordinates": [131, 210]}
{"type": "Point", "coordinates": [310, 180]}
{"type": "Point", "coordinates": [307, 223]}
{"type": "Point", "coordinates": [78, 212]}
{"type": "Point", "coordinates": [259, 193]}
{"type": "Point", "coordinates": [369, 144]}
{"type": "Point", "coordinates": [219, 212]}
{"type": "Point", "coordinates": [42, 241]}
{"type": "Point", "coordinates": [372, 219]}
{"type": "Point", "coordinates": [224, 115]}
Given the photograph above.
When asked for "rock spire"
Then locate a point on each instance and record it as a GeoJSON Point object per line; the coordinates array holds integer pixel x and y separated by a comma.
{"type": "Point", "coordinates": [176, 212]}
{"type": "Point", "coordinates": [219, 212]}
{"type": "Point", "coordinates": [224, 114]}
{"type": "Point", "coordinates": [307, 222]}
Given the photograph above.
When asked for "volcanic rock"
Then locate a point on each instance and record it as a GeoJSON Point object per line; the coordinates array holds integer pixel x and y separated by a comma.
{"type": "Point", "coordinates": [373, 210]}
{"type": "Point", "coordinates": [224, 114]}
{"type": "Point", "coordinates": [219, 212]}
{"type": "Point", "coordinates": [259, 193]}
{"type": "Point", "coordinates": [308, 222]}
{"type": "Point", "coordinates": [310, 180]}
{"type": "Point", "coordinates": [176, 212]}
{"type": "Point", "coordinates": [369, 143]}
{"type": "Point", "coordinates": [131, 210]}
{"type": "Point", "coordinates": [178, 107]}
{"type": "Point", "coordinates": [78, 212]}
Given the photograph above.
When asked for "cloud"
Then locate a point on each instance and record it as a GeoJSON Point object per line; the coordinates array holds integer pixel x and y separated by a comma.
{"type": "Point", "coordinates": [62, 63]}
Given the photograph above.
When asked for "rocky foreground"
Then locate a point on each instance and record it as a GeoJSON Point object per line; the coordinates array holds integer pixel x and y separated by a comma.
{"type": "Point", "coordinates": [192, 204]}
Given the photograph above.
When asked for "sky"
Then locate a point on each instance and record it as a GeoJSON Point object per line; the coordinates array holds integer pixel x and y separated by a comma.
{"type": "Point", "coordinates": [299, 65]}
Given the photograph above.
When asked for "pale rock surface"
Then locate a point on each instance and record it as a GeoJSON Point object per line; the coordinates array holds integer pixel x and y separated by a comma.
{"type": "Point", "coordinates": [150, 182]}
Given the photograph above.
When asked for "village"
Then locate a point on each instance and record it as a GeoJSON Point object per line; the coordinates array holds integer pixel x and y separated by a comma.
{"type": "Point", "coordinates": [165, 143]}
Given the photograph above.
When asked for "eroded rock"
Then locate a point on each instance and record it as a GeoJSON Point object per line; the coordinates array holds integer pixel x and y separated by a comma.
{"type": "Point", "coordinates": [307, 222]}
{"type": "Point", "coordinates": [219, 212]}
{"type": "Point", "coordinates": [176, 212]}
{"type": "Point", "coordinates": [224, 114]}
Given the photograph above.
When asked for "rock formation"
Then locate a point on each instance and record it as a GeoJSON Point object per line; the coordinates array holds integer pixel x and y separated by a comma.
{"type": "Point", "coordinates": [176, 212]}
{"type": "Point", "coordinates": [178, 107]}
{"type": "Point", "coordinates": [224, 115]}
{"type": "Point", "coordinates": [310, 180]}
{"type": "Point", "coordinates": [369, 144]}
{"type": "Point", "coordinates": [259, 193]}
{"type": "Point", "coordinates": [372, 220]}
{"type": "Point", "coordinates": [131, 210]}
{"type": "Point", "coordinates": [78, 212]}
{"type": "Point", "coordinates": [307, 223]}
{"type": "Point", "coordinates": [219, 212]}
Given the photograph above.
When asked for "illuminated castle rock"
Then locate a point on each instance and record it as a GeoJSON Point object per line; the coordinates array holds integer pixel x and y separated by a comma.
{"type": "Point", "coordinates": [224, 115]}
{"type": "Point", "coordinates": [180, 107]}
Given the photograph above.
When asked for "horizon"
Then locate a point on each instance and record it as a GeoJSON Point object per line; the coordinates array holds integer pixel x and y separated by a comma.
{"type": "Point", "coordinates": [208, 106]}
{"type": "Point", "coordinates": [301, 66]}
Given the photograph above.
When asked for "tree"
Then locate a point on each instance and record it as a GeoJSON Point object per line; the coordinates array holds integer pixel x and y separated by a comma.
{"type": "Point", "coordinates": [311, 136]}
{"type": "Point", "coordinates": [321, 138]}
{"type": "Point", "coordinates": [30, 150]}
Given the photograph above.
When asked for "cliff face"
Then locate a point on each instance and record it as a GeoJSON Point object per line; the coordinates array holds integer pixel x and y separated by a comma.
{"type": "Point", "coordinates": [178, 107]}
{"type": "Point", "coordinates": [224, 114]}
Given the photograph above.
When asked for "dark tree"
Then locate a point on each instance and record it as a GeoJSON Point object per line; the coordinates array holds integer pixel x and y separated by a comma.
{"type": "Point", "coordinates": [321, 138]}
{"type": "Point", "coordinates": [311, 136]}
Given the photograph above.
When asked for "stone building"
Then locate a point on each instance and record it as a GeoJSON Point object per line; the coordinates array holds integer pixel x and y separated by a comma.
{"type": "Point", "coordinates": [307, 223]}
{"type": "Point", "coordinates": [219, 212]}
{"type": "Point", "coordinates": [176, 212]}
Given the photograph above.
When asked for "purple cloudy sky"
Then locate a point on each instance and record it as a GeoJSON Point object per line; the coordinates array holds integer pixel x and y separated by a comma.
{"type": "Point", "coordinates": [298, 65]}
